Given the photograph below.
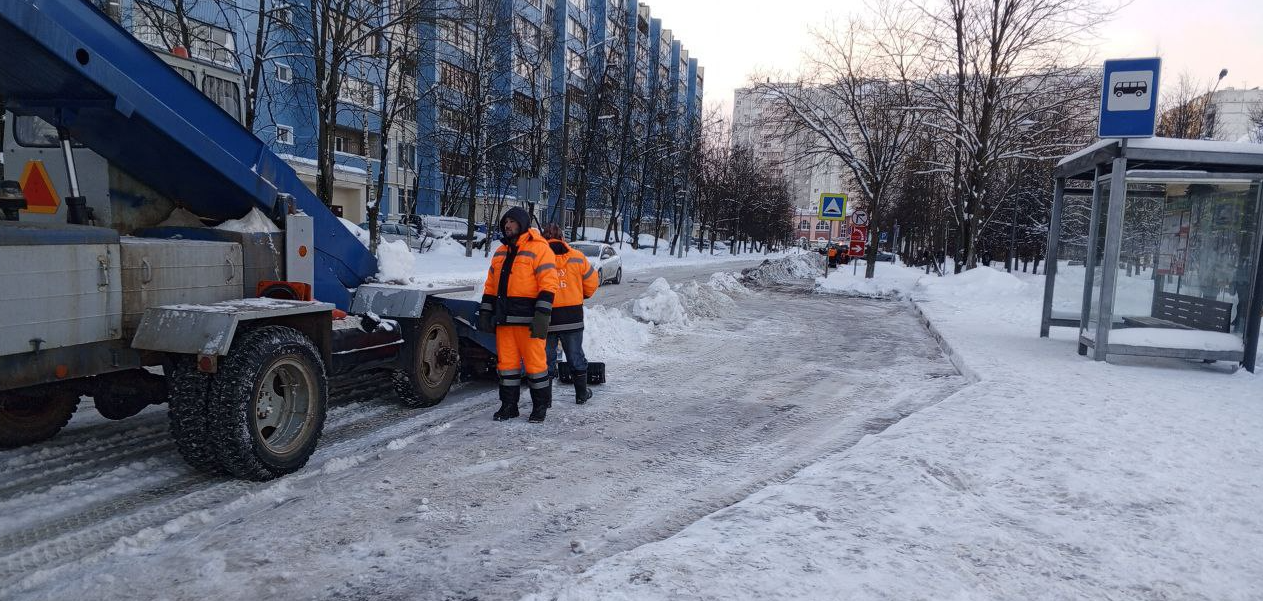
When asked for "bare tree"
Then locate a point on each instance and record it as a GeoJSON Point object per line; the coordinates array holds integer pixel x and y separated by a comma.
{"type": "Point", "coordinates": [1256, 124]}
{"type": "Point", "coordinates": [472, 82]}
{"type": "Point", "coordinates": [397, 68]}
{"type": "Point", "coordinates": [857, 102]}
{"type": "Point", "coordinates": [1183, 112]}
{"type": "Point", "coordinates": [1019, 68]}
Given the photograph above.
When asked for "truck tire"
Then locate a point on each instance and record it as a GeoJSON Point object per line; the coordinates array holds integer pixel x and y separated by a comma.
{"type": "Point", "coordinates": [267, 404]}
{"type": "Point", "coordinates": [187, 420]}
{"type": "Point", "coordinates": [28, 419]}
{"type": "Point", "coordinates": [432, 355]}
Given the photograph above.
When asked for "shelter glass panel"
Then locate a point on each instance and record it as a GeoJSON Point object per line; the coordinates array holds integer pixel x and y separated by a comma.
{"type": "Point", "coordinates": [1187, 263]}
{"type": "Point", "coordinates": [1072, 255]}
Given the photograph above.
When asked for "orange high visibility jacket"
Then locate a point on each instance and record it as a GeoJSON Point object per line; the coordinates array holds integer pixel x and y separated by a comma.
{"type": "Point", "coordinates": [578, 280]}
{"type": "Point", "coordinates": [522, 280]}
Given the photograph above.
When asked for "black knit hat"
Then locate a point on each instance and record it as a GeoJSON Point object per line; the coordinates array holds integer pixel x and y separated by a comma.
{"type": "Point", "coordinates": [519, 215]}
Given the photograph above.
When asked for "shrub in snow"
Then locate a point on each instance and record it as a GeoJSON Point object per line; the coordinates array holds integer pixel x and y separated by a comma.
{"type": "Point", "coordinates": [660, 305]}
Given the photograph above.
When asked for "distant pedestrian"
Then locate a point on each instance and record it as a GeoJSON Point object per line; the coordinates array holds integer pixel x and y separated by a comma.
{"type": "Point", "coordinates": [577, 281]}
{"type": "Point", "coordinates": [517, 304]}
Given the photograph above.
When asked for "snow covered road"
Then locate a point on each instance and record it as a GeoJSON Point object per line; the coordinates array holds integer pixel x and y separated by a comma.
{"type": "Point", "coordinates": [444, 503]}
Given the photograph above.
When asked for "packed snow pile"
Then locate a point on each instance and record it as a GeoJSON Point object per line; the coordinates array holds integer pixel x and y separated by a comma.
{"type": "Point", "coordinates": [785, 269]}
{"type": "Point", "coordinates": [660, 305]}
{"type": "Point", "coordinates": [986, 280]}
{"type": "Point", "coordinates": [610, 333]}
{"type": "Point", "coordinates": [728, 283]}
{"type": "Point", "coordinates": [360, 233]}
{"type": "Point", "coordinates": [182, 218]}
{"type": "Point", "coordinates": [706, 300]}
{"type": "Point", "coordinates": [255, 222]}
{"type": "Point", "coordinates": [395, 262]}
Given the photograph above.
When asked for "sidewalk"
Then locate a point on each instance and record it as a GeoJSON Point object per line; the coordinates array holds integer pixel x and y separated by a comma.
{"type": "Point", "coordinates": [1051, 477]}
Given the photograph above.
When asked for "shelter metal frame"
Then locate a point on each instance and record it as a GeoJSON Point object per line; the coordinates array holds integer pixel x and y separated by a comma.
{"type": "Point", "coordinates": [1151, 160]}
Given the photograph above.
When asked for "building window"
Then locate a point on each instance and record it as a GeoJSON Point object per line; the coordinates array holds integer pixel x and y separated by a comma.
{"type": "Point", "coordinates": [359, 91]}
{"type": "Point", "coordinates": [406, 156]}
{"type": "Point", "coordinates": [574, 62]}
{"type": "Point", "coordinates": [459, 36]}
{"type": "Point", "coordinates": [822, 226]}
{"type": "Point", "coordinates": [339, 144]}
{"type": "Point", "coordinates": [225, 92]}
{"type": "Point", "coordinates": [285, 135]}
{"type": "Point", "coordinates": [450, 118]}
{"type": "Point", "coordinates": [524, 105]}
{"type": "Point", "coordinates": [528, 33]}
{"type": "Point", "coordinates": [284, 73]}
{"type": "Point", "coordinates": [160, 28]}
{"type": "Point", "coordinates": [456, 78]}
{"type": "Point", "coordinates": [452, 163]}
{"type": "Point", "coordinates": [577, 31]}
{"type": "Point", "coordinates": [804, 225]}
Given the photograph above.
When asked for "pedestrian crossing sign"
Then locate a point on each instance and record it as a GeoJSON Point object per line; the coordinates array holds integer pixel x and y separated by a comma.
{"type": "Point", "coordinates": [832, 207]}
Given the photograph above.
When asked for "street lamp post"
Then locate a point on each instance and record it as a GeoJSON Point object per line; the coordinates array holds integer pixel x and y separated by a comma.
{"type": "Point", "coordinates": [1208, 116]}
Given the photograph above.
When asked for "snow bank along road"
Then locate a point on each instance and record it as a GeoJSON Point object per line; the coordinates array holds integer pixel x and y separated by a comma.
{"type": "Point", "coordinates": [444, 503]}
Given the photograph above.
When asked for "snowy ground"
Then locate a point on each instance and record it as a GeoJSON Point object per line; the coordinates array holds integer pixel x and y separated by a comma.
{"type": "Point", "coordinates": [1049, 477]}
{"type": "Point", "coordinates": [446, 264]}
{"type": "Point", "coordinates": [752, 444]}
{"type": "Point", "coordinates": [727, 389]}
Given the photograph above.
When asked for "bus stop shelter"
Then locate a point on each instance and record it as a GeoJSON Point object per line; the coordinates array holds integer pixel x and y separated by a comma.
{"type": "Point", "coordinates": [1154, 249]}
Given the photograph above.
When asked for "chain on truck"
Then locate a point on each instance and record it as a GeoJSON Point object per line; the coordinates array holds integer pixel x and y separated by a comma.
{"type": "Point", "coordinates": [114, 284]}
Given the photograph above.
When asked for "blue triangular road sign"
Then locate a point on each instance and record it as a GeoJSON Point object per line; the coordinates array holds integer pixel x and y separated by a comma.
{"type": "Point", "coordinates": [832, 208]}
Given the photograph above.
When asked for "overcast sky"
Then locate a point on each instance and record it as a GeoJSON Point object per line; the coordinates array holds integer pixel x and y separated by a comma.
{"type": "Point", "coordinates": [736, 38]}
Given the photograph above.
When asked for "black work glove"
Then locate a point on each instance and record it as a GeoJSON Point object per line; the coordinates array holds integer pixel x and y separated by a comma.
{"type": "Point", "coordinates": [487, 320]}
{"type": "Point", "coordinates": [539, 325]}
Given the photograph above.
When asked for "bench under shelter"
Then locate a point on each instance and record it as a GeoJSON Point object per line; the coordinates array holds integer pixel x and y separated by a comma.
{"type": "Point", "coordinates": [1154, 248]}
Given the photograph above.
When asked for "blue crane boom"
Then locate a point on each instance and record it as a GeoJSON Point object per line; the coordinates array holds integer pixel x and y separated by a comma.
{"type": "Point", "coordinates": [68, 63]}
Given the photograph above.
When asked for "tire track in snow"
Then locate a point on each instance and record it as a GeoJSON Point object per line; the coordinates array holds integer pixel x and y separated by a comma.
{"type": "Point", "coordinates": [97, 527]}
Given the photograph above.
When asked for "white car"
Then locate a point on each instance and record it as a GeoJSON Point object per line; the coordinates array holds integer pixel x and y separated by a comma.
{"type": "Point", "coordinates": [604, 258]}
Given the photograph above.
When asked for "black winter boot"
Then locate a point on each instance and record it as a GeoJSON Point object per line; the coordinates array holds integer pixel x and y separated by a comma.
{"type": "Point", "coordinates": [509, 397]}
{"type": "Point", "coordinates": [541, 399]}
{"type": "Point", "coordinates": [581, 392]}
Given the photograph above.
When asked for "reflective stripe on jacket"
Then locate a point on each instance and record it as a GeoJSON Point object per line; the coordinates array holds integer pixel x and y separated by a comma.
{"type": "Point", "coordinates": [578, 280]}
{"type": "Point", "coordinates": [522, 280]}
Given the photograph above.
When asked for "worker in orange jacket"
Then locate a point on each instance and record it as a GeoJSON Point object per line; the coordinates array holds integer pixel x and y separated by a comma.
{"type": "Point", "coordinates": [517, 303]}
{"type": "Point", "coordinates": [578, 281]}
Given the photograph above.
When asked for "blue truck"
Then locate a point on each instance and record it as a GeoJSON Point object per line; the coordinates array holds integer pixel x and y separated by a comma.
{"type": "Point", "coordinates": [126, 292]}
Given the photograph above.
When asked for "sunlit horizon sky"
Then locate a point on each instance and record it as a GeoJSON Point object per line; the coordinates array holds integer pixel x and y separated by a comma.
{"type": "Point", "coordinates": [738, 38]}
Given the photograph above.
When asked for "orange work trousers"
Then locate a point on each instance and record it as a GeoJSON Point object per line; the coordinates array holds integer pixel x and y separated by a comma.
{"type": "Point", "coordinates": [515, 347]}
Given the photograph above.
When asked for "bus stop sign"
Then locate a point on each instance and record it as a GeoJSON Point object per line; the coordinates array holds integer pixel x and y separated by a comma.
{"type": "Point", "coordinates": [1129, 98]}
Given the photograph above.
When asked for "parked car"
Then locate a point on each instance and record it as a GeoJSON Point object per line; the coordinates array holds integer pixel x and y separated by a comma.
{"type": "Point", "coordinates": [883, 256]}
{"type": "Point", "coordinates": [456, 227]}
{"type": "Point", "coordinates": [604, 258]}
{"type": "Point", "coordinates": [438, 226]}
{"type": "Point", "coordinates": [392, 232]}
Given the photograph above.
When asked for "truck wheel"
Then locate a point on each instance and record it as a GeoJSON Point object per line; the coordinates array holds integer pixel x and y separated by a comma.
{"type": "Point", "coordinates": [432, 358]}
{"type": "Point", "coordinates": [28, 419]}
{"type": "Point", "coordinates": [187, 420]}
{"type": "Point", "coordinates": [267, 404]}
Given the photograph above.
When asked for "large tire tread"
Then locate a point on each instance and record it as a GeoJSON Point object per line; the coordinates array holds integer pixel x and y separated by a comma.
{"type": "Point", "coordinates": [232, 397]}
{"type": "Point", "coordinates": [187, 395]}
